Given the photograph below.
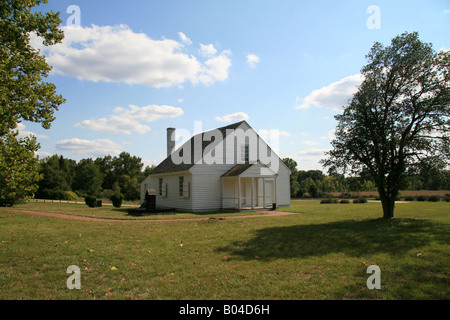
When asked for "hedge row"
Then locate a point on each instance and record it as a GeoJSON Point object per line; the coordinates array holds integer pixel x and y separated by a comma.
{"type": "Point", "coordinates": [333, 200]}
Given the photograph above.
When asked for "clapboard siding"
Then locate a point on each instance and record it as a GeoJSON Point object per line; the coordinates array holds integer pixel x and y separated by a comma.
{"type": "Point", "coordinates": [283, 186]}
{"type": "Point", "coordinates": [172, 198]}
{"type": "Point", "coordinates": [207, 186]}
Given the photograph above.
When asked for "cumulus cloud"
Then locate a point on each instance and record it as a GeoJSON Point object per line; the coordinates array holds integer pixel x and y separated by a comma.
{"type": "Point", "coordinates": [207, 50]}
{"type": "Point", "coordinates": [118, 54]}
{"type": "Point", "coordinates": [215, 69]}
{"type": "Point", "coordinates": [252, 60]}
{"type": "Point", "coordinates": [233, 117]}
{"type": "Point", "coordinates": [310, 143]}
{"type": "Point", "coordinates": [312, 152]}
{"type": "Point", "coordinates": [333, 96]}
{"type": "Point", "coordinates": [96, 148]}
{"type": "Point", "coordinates": [272, 132]}
{"type": "Point", "coordinates": [184, 38]}
{"type": "Point", "coordinates": [25, 133]}
{"type": "Point", "coordinates": [126, 121]}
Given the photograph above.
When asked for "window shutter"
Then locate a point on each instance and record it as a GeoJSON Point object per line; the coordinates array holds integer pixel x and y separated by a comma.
{"type": "Point", "coordinates": [164, 189]}
{"type": "Point", "coordinates": [186, 186]}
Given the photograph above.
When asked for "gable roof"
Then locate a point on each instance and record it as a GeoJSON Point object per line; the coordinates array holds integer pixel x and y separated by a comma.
{"type": "Point", "coordinates": [167, 165]}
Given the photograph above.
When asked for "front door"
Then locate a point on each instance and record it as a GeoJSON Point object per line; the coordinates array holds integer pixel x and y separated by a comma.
{"type": "Point", "coordinates": [246, 192]}
{"type": "Point", "coordinates": [269, 191]}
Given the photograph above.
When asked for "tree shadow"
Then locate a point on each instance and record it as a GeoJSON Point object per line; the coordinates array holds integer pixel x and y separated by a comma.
{"type": "Point", "coordinates": [354, 238]}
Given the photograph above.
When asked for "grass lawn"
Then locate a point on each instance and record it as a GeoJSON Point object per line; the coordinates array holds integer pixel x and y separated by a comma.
{"type": "Point", "coordinates": [321, 253]}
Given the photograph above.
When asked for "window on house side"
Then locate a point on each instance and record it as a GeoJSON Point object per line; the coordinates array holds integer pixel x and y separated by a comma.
{"type": "Point", "coordinates": [245, 153]}
{"type": "Point", "coordinates": [180, 185]}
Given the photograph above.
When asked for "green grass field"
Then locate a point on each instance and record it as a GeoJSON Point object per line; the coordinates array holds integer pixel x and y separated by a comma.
{"type": "Point", "coordinates": [321, 253]}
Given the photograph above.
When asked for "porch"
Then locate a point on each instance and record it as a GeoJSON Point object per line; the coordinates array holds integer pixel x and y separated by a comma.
{"type": "Point", "coordinates": [249, 187]}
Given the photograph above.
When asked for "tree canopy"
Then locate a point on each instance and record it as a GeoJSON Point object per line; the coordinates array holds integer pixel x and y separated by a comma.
{"type": "Point", "coordinates": [398, 121]}
{"type": "Point", "coordinates": [24, 96]}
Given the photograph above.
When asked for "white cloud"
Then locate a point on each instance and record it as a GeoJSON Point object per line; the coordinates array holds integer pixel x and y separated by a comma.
{"type": "Point", "coordinates": [114, 124]}
{"type": "Point", "coordinates": [252, 60]}
{"type": "Point", "coordinates": [184, 39]}
{"type": "Point", "coordinates": [215, 69]}
{"type": "Point", "coordinates": [153, 162]}
{"type": "Point", "coordinates": [309, 159]}
{"type": "Point", "coordinates": [272, 132]}
{"type": "Point", "coordinates": [126, 121]}
{"type": "Point", "coordinates": [312, 152]}
{"type": "Point", "coordinates": [310, 143]}
{"type": "Point", "coordinates": [118, 54]}
{"type": "Point", "coordinates": [24, 133]}
{"type": "Point", "coordinates": [331, 135]}
{"type": "Point", "coordinates": [333, 96]}
{"type": "Point", "coordinates": [96, 148]}
{"type": "Point", "coordinates": [233, 117]}
{"type": "Point", "coordinates": [207, 50]}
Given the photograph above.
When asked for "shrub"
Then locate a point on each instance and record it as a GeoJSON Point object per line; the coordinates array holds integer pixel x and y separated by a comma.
{"type": "Point", "coordinates": [116, 199]}
{"type": "Point", "coordinates": [344, 201]}
{"type": "Point", "coordinates": [421, 198]}
{"type": "Point", "coordinates": [91, 201]}
{"type": "Point", "coordinates": [360, 200]}
{"type": "Point", "coordinates": [410, 198]}
{"type": "Point", "coordinates": [434, 198]}
{"type": "Point", "coordinates": [70, 195]}
{"type": "Point", "coordinates": [329, 200]}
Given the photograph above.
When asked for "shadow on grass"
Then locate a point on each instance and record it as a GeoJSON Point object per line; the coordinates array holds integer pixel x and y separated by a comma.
{"type": "Point", "coordinates": [174, 212]}
{"type": "Point", "coordinates": [354, 238]}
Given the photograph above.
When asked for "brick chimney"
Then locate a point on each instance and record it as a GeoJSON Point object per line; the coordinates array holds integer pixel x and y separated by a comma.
{"type": "Point", "coordinates": [170, 141]}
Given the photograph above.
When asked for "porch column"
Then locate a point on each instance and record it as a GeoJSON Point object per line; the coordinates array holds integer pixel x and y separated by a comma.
{"type": "Point", "coordinates": [253, 185]}
{"type": "Point", "coordinates": [239, 193]}
{"type": "Point", "coordinates": [276, 198]}
{"type": "Point", "coordinates": [264, 192]}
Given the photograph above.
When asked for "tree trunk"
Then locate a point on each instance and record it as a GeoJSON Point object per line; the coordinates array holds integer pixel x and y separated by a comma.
{"type": "Point", "coordinates": [387, 198]}
{"type": "Point", "coordinates": [388, 204]}
{"type": "Point", "coordinates": [388, 208]}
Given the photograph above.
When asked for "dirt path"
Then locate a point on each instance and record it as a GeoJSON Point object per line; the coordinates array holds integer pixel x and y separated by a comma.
{"type": "Point", "coordinates": [67, 216]}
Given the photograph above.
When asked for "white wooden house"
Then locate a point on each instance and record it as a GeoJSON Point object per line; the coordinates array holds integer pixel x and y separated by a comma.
{"type": "Point", "coordinates": [226, 168]}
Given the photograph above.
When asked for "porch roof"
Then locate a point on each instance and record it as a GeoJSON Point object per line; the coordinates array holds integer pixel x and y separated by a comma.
{"type": "Point", "coordinates": [240, 169]}
{"type": "Point", "coordinates": [237, 170]}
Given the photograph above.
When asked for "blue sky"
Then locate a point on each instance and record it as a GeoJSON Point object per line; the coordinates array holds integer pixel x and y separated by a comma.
{"type": "Point", "coordinates": [130, 69]}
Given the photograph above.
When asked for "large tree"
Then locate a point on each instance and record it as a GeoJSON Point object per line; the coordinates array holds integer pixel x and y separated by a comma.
{"type": "Point", "coordinates": [24, 96]}
{"type": "Point", "coordinates": [397, 121]}
{"type": "Point", "coordinates": [88, 178]}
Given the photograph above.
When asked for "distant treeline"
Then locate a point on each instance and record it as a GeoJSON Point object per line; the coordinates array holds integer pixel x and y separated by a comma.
{"type": "Point", "coordinates": [67, 179]}
{"type": "Point", "coordinates": [315, 183]}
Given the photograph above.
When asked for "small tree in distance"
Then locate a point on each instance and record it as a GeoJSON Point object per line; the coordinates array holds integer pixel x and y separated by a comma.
{"type": "Point", "coordinates": [398, 120]}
